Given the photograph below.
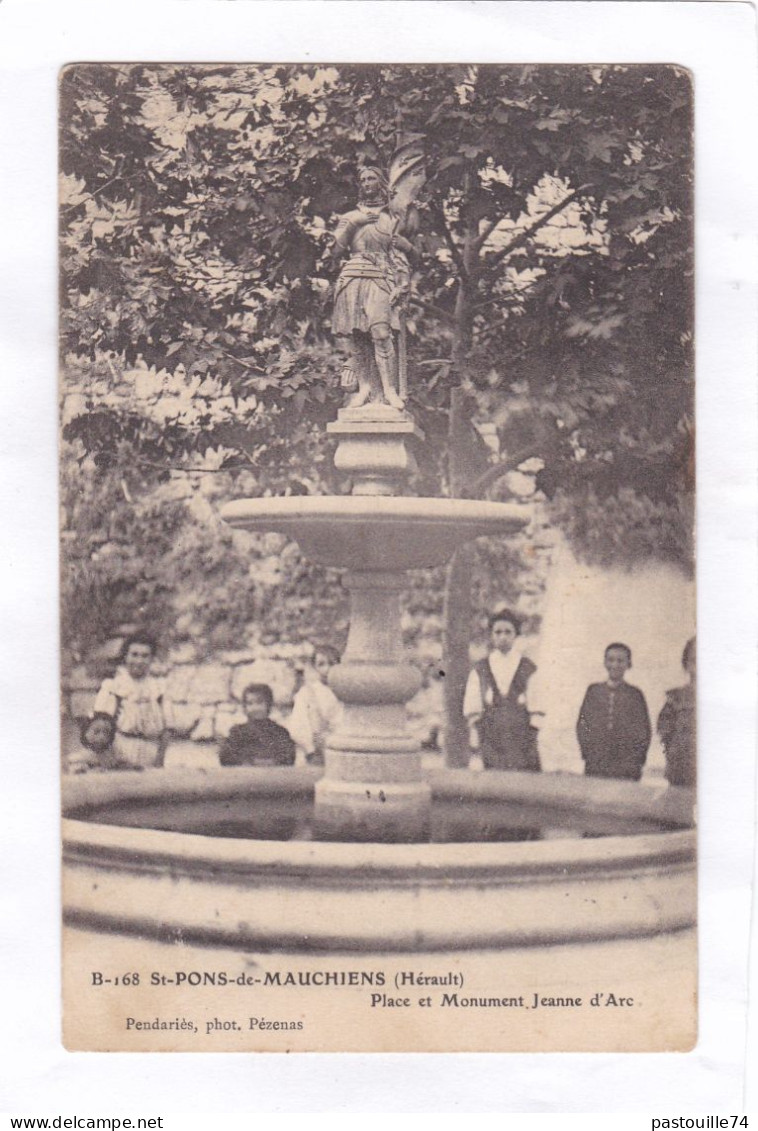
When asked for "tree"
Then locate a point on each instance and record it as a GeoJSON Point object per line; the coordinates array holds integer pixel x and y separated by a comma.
{"type": "Point", "coordinates": [553, 296]}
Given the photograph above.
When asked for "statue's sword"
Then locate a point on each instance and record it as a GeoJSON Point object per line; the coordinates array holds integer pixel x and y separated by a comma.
{"type": "Point", "coordinates": [402, 359]}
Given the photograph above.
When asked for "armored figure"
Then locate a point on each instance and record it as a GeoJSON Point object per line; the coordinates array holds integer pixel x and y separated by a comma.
{"type": "Point", "coordinates": [372, 287]}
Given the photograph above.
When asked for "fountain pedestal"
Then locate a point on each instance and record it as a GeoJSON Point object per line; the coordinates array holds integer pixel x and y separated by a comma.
{"type": "Point", "coordinates": [372, 788]}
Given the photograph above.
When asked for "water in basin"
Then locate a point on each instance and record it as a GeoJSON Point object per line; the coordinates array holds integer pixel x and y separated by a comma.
{"type": "Point", "coordinates": [289, 817]}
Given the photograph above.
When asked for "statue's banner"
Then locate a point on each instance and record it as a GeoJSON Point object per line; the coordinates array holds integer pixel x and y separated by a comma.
{"type": "Point", "coordinates": [407, 169]}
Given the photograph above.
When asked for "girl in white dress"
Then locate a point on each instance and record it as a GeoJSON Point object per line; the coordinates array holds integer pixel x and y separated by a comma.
{"type": "Point", "coordinates": [316, 710]}
{"type": "Point", "coordinates": [137, 703]}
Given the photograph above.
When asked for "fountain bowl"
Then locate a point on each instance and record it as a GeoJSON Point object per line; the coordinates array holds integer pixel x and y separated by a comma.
{"type": "Point", "coordinates": [377, 533]}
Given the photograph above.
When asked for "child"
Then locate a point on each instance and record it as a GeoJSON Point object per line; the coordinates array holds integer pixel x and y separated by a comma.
{"type": "Point", "coordinates": [260, 741]}
{"type": "Point", "coordinates": [136, 702]}
{"type": "Point", "coordinates": [494, 703]}
{"type": "Point", "coordinates": [614, 725]}
{"type": "Point", "coordinates": [316, 710]}
{"type": "Point", "coordinates": [97, 734]}
{"type": "Point", "coordinates": [676, 726]}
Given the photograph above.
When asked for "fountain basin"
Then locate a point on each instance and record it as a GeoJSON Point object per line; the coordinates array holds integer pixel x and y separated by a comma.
{"type": "Point", "coordinates": [313, 896]}
{"type": "Point", "coordinates": [376, 533]}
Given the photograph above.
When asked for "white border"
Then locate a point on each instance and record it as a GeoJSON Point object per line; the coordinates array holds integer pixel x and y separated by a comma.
{"type": "Point", "coordinates": [718, 42]}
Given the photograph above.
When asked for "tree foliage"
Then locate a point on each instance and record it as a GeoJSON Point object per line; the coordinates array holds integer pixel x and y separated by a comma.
{"type": "Point", "coordinates": [553, 291]}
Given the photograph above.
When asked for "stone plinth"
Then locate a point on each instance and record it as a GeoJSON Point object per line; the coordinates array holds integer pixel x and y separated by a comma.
{"type": "Point", "coordinates": [374, 448]}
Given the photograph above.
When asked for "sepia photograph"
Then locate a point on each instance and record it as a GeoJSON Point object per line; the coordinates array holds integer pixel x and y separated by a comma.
{"type": "Point", "coordinates": [378, 445]}
{"type": "Point", "coordinates": [378, 645]}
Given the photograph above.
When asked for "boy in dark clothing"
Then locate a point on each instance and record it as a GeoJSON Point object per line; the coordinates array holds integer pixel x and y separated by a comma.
{"type": "Point", "coordinates": [614, 725]}
{"type": "Point", "coordinates": [260, 741]}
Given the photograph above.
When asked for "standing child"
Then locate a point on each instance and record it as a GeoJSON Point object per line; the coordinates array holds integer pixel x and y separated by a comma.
{"type": "Point", "coordinates": [260, 741]}
{"type": "Point", "coordinates": [495, 701]}
{"type": "Point", "coordinates": [676, 726]}
{"type": "Point", "coordinates": [136, 701]}
{"type": "Point", "coordinates": [614, 725]}
{"type": "Point", "coordinates": [316, 710]}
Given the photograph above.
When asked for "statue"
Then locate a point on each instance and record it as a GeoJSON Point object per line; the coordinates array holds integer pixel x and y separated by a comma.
{"type": "Point", "coordinates": [371, 291]}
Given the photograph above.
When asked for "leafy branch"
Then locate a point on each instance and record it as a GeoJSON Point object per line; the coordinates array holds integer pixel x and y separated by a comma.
{"type": "Point", "coordinates": [441, 224]}
{"type": "Point", "coordinates": [519, 241]}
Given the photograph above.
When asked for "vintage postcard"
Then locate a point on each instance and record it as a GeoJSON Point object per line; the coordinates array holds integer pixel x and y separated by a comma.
{"type": "Point", "coordinates": [378, 615]}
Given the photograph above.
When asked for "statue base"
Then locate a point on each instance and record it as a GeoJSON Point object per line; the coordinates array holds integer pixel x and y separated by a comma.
{"type": "Point", "coordinates": [374, 448]}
